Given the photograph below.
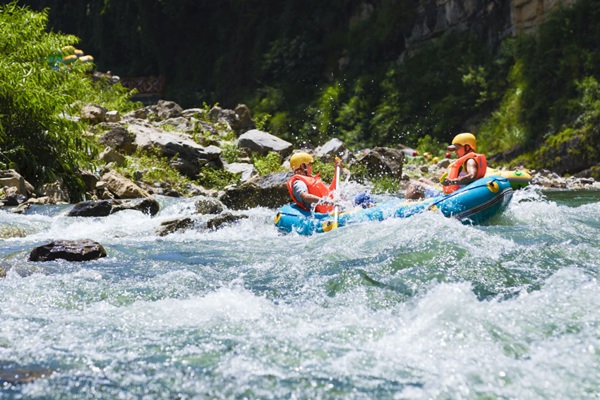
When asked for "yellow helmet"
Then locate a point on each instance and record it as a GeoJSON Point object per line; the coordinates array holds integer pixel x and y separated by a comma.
{"type": "Point", "coordinates": [465, 138]}
{"type": "Point", "coordinates": [300, 158]}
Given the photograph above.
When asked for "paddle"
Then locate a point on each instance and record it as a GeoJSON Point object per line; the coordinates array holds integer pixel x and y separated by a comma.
{"type": "Point", "coordinates": [329, 225]}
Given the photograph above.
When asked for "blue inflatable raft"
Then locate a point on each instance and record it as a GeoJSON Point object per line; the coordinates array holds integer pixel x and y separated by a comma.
{"type": "Point", "coordinates": [474, 204]}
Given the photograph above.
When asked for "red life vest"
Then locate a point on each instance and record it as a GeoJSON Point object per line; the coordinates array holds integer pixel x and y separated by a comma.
{"type": "Point", "coordinates": [455, 168]}
{"type": "Point", "coordinates": [315, 186]}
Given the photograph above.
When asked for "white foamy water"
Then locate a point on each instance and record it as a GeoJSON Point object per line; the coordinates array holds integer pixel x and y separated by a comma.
{"type": "Point", "coordinates": [417, 308]}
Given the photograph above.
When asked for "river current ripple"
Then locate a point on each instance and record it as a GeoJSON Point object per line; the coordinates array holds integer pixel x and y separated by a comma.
{"type": "Point", "coordinates": [417, 308]}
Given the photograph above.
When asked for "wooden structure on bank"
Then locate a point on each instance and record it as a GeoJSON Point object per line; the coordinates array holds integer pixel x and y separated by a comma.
{"type": "Point", "coordinates": [150, 89]}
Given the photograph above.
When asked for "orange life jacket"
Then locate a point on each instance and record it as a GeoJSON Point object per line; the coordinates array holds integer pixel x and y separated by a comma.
{"type": "Point", "coordinates": [315, 186]}
{"type": "Point", "coordinates": [455, 168]}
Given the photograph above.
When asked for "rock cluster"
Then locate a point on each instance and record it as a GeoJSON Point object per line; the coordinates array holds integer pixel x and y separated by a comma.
{"type": "Point", "coordinates": [551, 180]}
{"type": "Point", "coordinates": [196, 139]}
{"type": "Point", "coordinates": [545, 179]}
{"type": "Point", "coordinates": [193, 140]}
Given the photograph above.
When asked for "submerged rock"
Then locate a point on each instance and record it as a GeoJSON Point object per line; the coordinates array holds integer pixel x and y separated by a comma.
{"type": "Point", "coordinates": [223, 219]}
{"type": "Point", "coordinates": [183, 224]}
{"type": "Point", "coordinates": [147, 206]}
{"type": "Point", "coordinates": [208, 205]}
{"type": "Point", "coordinates": [70, 250]}
{"type": "Point", "coordinates": [10, 231]}
{"type": "Point", "coordinates": [11, 375]}
{"type": "Point", "coordinates": [102, 208]}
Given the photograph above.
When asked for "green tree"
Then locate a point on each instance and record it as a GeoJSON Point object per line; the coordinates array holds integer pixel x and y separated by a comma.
{"type": "Point", "coordinates": [38, 138]}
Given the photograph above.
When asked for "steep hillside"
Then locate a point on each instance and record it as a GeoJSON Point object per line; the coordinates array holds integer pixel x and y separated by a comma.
{"type": "Point", "coordinates": [371, 73]}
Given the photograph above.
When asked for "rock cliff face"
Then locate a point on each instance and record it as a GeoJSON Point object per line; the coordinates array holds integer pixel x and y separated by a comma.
{"type": "Point", "coordinates": [491, 20]}
{"type": "Point", "coordinates": [526, 15]}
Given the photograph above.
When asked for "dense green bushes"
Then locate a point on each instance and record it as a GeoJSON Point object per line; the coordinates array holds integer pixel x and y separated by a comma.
{"type": "Point", "coordinates": [580, 140]}
{"type": "Point", "coordinates": [520, 96]}
{"type": "Point", "coordinates": [37, 137]}
{"type": "Point", "coordinates": [550, 105]}
{"type": "Point", "coordinates": [340, 68]}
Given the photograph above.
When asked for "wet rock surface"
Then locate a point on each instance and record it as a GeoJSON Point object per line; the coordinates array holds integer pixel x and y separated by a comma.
{"type": "Point", "coordinates": [70, 250]}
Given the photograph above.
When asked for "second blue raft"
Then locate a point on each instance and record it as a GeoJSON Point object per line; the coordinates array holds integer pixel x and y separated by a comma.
{"type": "Point", "coordinates": [474, 204]}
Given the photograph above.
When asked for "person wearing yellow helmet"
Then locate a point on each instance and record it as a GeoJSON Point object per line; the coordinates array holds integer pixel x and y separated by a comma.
{"type": "Point", "coordinates": [307, 190]}
{"type": "Point", "coordinates": [469, 167]}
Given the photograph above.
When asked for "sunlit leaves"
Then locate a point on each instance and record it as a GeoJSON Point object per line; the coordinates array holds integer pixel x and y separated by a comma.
{"type": "Point", "coordinates": [36, 138]}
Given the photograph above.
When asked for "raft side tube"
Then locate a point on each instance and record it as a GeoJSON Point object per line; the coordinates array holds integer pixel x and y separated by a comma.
{"type": "Point", "coordinates": [474, 204]}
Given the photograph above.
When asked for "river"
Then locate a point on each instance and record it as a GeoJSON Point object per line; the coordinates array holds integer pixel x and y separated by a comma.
{"type": "Point", "coordinates": [416, 308]}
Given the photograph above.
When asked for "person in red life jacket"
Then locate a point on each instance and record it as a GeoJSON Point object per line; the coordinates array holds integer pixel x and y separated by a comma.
{"type": "Point", "coordinates": [469, 167]}
{"type": "Point", "coordinates": [307, 190]}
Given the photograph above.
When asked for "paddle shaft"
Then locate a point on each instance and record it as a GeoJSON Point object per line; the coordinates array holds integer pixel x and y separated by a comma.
{"type": "Point", "coordinates": [337, 184]}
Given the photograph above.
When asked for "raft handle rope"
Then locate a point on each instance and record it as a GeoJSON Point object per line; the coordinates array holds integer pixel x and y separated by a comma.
{"type": "Point", "coordinates": [492, 182]}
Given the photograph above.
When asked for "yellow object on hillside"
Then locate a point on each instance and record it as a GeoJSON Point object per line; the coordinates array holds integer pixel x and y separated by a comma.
{"type": "Point", "coordinates": [69, 55]}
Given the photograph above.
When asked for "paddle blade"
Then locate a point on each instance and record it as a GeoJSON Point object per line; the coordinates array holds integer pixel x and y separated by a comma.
{"type": "Point", "coordinates": [329, 226]}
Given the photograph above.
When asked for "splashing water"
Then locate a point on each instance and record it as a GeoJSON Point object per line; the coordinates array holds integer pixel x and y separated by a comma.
{"type": "Point", "coordinates": [415, 308]}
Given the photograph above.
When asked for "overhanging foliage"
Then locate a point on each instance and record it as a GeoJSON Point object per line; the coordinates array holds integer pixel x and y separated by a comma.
{"type": "Point", "coordinates": [38, 136]}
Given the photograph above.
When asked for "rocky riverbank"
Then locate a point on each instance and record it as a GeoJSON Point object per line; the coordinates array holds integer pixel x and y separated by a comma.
{"type": "Point", "coordinates": [194, 141]}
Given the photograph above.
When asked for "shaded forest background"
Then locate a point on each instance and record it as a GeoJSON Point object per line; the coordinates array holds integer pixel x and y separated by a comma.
{"type": "Point", "coordinates": [315, 70]}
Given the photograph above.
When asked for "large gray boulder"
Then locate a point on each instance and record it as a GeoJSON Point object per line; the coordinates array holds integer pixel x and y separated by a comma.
{"type": "Point", "coordinates": [91, 208]}
{"type": "Point", "coordinates": [119, 139]}
{"type": "Point", "coordinates": [222, 116]}
{"type": "Point", "coordinates": [262, 143]}
{"type": "Point", "coordinates": [170, 144]}
{"type": "Point", "coordinates": [122, 187]}
{"type": "Point", "coordinates": [568, 157]}
{"type": "Point", "coordinates": [147, 205]}
{"type": "Point", "coordinates": [383, 161]}
{"type": "Point", "coordinates": [268, 191]}
{"type": "Point", "coordinates": [244, 121]}
{"type": "Point", "coordinates": [110, 155]}
{"type": "Point", "coordinates": [11, 178]}
{"type": "Point", "coordinates": [175, 225]}
{"type": "Point", "coordinates": [208, 205]}
{"type": "Point", "coordinates": [93, 113]}
{"type": "Point", "coordinates": [330, 150]}
{"type": "Point", "coordinates": [246, 171]}
{"type": "Point", "coordinates": [168, 109]}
